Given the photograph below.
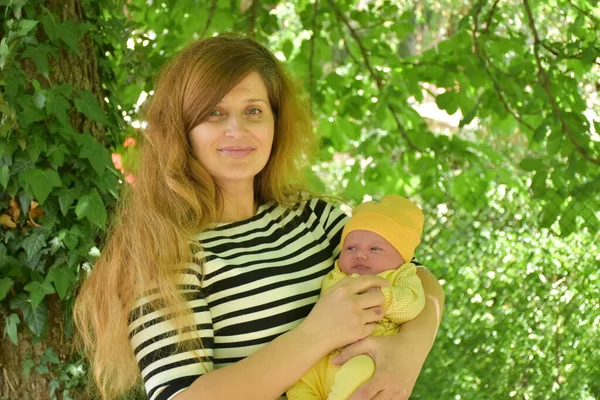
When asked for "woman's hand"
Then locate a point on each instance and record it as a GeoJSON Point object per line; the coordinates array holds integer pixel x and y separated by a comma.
{"type": "Point", "coordinates": [400, 357]}
{"type": "Point", "coordinates": [398, 362]}
{"type": "Point", "coordinates": [344, 313]}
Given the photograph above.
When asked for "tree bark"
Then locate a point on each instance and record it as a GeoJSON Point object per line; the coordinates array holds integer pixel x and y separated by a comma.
{"type": "Point", "coordinates": [82, 72]}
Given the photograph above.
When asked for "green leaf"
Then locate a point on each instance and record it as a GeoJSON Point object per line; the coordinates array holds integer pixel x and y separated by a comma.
{"type": "Point", "coordinates": [448, 101]}
{"type": "Point", "coordinates": [70, 35]}
{"type": "Point", "coordinates": [36, 319]}
{"type": "Point", "coordinates": [287, 48]}
{"type": "Point", "coordinates": [70, 237]}
{"type": "Point", "coordinates": [28, 364]}
{"type": "Point", "coordinates": [88, 105]}
{"type": "Point", "coordinates": [65, 199]}
{"type": "Point", "coordinates": [35, 148]}
{"type": "Point", "coordinates": [5, 285]}
{"type": "Point", "coordinates": [56, 155]}
{"type": "Point", "coordinates": [38, 291]}
{"type": "Point", "coordinates": [58, 106]}
{"type": "Point", "coordinates": [4, 176]}
{"type": "Point", "coordinates": [532, 164]}
{"type": "Point", "coordinates": [538, 184]}
{"type": "Point", "coordinates": [40, 182]}
{"type": "Point", "coordinates": [50, 26]}
{"type": "Point", "coordinates": [540, 133]}
{"type": "Point", "coordinates": [10, 327]}
{"type": "Point", "coordinates": [50, 357]}
{"type": "Point", "coordinates": [34, 242]}
{"type": "Point", "coordinates": [25, 25]}
{"type": "Point", "coordinates": [94, 152]}
{"type": "Point", "coordinates": [39, 55]}
{"type": "Point", "coordinates": [63, 280]}
{"type": "Point", "coordinates": [92, 207]}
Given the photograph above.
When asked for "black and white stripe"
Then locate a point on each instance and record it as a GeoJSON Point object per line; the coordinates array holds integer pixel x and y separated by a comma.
{"type": "Point", "coordinates": [262, 277]}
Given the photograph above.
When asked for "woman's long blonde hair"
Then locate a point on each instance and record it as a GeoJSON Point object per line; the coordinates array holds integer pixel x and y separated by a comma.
{"type": "Point", "coordinates": [175, 198]}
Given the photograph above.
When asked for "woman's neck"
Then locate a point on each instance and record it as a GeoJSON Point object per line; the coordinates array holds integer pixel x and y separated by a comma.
{"type": "Point", "coordinates": [238, 203]}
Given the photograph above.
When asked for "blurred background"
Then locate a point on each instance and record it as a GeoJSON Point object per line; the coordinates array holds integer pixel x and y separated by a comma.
{"type": "Point", "coordinates": [486, 113]}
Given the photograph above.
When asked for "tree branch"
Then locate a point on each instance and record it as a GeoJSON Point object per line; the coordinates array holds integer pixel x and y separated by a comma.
{"type": "Point", "coordinates": [311, 55]}
{"type": "Point", "coordinates": [558, 54]}
{"type": "Point", "coordinates": [211, 13]}
{"type": "Point", "coordinates": [484, 62]}
{"type": "Point", "coordinates": [591, 18]}
{"type": "Point", "coordinates": [544, 80]}
{"type": "Point", "coordinates": [378, 82]}
{"type": "Point", "coordinates": [490, 16]}
{"type": "Point", "coordinates": [253, 12]}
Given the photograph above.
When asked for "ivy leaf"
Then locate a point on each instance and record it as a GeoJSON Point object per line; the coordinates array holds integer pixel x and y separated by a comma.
{"type": "Point", "coordinates": [40, 182]}
{"type": "Point", "coordinates": [92, 207]}
{"type": "Point", "coordinates": [34, 242]}
{"type": "Point", "coordinates": [38, 291]}
{"type": "Point", "coordinates": [4, 176]}
{"type": "Point", "coordinates": [39, 55]}
{"type": "Point", "coordinates": [57, 105]}
{"type": "Point", "coordinates": [50, 26]}
{"type": "Point", "coordinates": [27, 366]}
{"type": "Point", "coordinates": [88, 105]}
{"type": "Point", "coordinates": [56, 155]}
{"type": "Point", "coordinates": [10, 327]}
{"type": "Point", "coordinates": [71, 32]}
{"type": "Point", "coordinates": [36, 319]}
{"type": "Point", "coordinates": [5, 285]}
{"type": "Point", "coordinates": [63, 280]}
{"type": "Point", "coordinates": [50, 357]}
{"type": "Point", "coordinates": [65, 199]}
{"type": "Point", "coordinates": [35, 148]}
{"type": "Point", "coordinates": [4, 52]}
{"type": "Point", "coordinates": [26, 25]}
{"type": "Point", "coordinates": [95, 153]}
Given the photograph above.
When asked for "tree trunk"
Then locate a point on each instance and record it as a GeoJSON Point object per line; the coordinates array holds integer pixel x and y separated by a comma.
{"type": "Point", "coordinates": [15, 382]}
{"type": "Point", "coordinates": [82, 72]}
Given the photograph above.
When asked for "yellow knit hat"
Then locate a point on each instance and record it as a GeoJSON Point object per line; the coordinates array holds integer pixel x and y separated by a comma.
{"type": "Point", "coordinates": [396, 219]}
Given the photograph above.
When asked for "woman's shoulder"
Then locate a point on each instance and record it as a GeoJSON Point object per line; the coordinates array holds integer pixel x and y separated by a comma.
{"type": "Point", "coordinates": [320, 203]}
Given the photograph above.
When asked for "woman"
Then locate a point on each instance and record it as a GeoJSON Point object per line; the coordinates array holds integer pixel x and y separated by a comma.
{"type": "Point", "coordinates": [220, 173]}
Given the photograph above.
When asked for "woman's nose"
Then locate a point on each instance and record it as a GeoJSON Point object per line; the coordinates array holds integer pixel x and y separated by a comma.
{"type": "Point", "coordinates": [236, 126]}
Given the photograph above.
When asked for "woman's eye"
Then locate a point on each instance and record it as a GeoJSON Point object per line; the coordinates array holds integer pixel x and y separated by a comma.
{"type": "Point", "coordinates": [214, 113]}
{"type": "Point", "coordinates": [254, 111]}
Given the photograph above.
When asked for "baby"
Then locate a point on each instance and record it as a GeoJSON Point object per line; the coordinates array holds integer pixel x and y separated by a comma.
{"type": "Point", "coordinates": [380, 238]}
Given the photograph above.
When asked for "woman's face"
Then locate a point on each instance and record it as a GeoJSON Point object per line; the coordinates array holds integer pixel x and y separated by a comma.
{"type": "Point", "coordinates": [234, 142]}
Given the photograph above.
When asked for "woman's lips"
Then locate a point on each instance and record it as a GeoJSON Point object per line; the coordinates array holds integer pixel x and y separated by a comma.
{"type": "Point", "coordinates": [236, 151]}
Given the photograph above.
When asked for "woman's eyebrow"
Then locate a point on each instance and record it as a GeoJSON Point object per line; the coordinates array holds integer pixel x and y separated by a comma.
{"type": "Point", "coordinates": [248, 101]}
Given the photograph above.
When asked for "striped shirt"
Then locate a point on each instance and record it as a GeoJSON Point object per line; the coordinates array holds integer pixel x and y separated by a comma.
{"type": "Point", "coordinates": [262, 276]}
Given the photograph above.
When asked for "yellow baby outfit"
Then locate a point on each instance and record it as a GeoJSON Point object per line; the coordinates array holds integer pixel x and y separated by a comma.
{"type": "Point", "coordinates": [404, 300]}
{"type": "Point", "coordinates": [400, 222]}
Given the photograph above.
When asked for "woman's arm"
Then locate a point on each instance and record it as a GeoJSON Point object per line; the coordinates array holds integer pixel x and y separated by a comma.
{"type": "Point", "coordinates": [342, 315]}
{"type": "Point", "coordinates": [399, 358]}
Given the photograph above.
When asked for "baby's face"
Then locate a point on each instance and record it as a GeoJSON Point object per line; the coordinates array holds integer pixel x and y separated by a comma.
{"type": "Point", "coordinates": [365, 252]}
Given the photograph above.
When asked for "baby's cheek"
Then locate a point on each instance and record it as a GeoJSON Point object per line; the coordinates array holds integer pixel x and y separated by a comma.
{"type": "Point", "coordinates": [344, 263]}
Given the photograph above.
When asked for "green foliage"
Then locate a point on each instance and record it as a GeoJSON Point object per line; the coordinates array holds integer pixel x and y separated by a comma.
{"type": "Point", "coordinates": [57, 174]}
{"type": "Point", "coordinates": [510, 185]}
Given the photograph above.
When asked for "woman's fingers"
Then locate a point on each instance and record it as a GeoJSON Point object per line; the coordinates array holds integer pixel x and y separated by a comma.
{"type": "Point", "coordinates": [370, 299]}
{"type": "Point", "coordinates": [373, 315]}
{"type": "Point", "coordinates": [363, 283]}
